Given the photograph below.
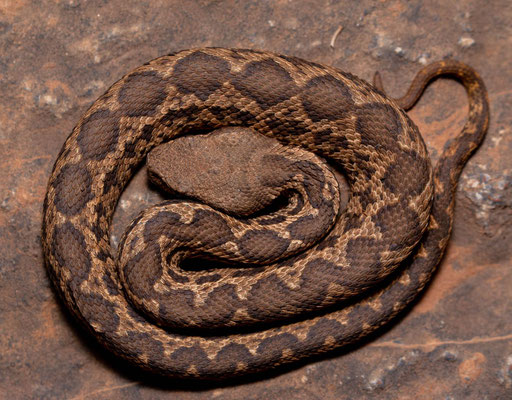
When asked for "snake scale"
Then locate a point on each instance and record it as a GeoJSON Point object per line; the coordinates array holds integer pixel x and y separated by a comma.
{"type": "Point", "coordinates": [373, 260]}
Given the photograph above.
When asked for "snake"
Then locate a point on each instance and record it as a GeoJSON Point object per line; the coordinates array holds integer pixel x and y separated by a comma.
{"type": "Point", "coordinates": [290, 289]}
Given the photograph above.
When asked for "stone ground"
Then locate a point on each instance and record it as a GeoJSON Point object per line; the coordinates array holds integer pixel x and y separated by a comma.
{"type": "Point", "coordinates": [58, 56]}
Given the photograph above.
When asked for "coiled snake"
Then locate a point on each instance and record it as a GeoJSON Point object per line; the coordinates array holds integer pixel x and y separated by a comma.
{"type": "Point", "coordinates": [397, 206]}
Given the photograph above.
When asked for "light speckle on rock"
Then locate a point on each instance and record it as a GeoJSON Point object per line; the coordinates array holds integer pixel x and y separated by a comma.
{"type": "Point", "coordinates": [486, 191]}
{"type": "Point", "coordinates": [423, 59]}
{"type": "Point", "coordinates": [114, 240]}
{"type": "Point", "coordinates": [376, 380]}
{"type": "Point", "coordinates": [49, 99]}
{"type": "Point", "coordinates": [125, 204]}
{"type": "Point", "coordinates": [316, 43]}
{"type": "Point", "coordinates": [466, 42]}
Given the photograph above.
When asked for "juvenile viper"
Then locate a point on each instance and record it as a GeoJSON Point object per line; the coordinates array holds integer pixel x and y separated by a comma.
{"type": "Point", "coordinates": [392, 210]}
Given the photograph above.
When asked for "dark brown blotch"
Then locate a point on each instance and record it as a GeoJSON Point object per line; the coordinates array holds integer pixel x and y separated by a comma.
{"type": "Point", "coordinates": [98, 135]}
{"type": "Point", "coordinates": [70, 251]}
{"type": "Point", "coordinates": [99, 312]}
{"type": "Point", "coordinates": [273, 346]}
{"type": "Point", "coordinates": [156, 225]}
{"type": "Point", "coordinates": [363, 250]}
{"type": "Point", "coordinates": [141, 94]}
{"type": "Point", "coordinates": [307, 228]}
{"type": "Point", "coordinates": [401, 223]}
{"type": "Point", "coordinates": [326, 98]}
{"type": "Point", "coordinates": [367, 170]}
{"type": "Point", "coordinates": [143, 270]}
{"type": "Point", "coordinates": [262, 245]}
{"type": "Point", "coordinates": [324, 329]}
{"type": "Point", "coordinates": [224, 295]}
{"type": "Point", "coordinates": [208, 278]}
{"type": "Point", "coordinates": [72, 189]}
{"type": "Point", "coordinates": [266, 82]}
{"type": "Point", "coordinates": [379, 125]}
{"type": "Point", "coordinates": [99, 228]}
{"type": "Point", "coordinates": [411, 175]}
{"type": "Point", "coordinates": [136, 344]}
{"type": "Point", "coordinates": [266, 288]}
{"type": "Point", "coordinates": [174, 304]}
{"type": "Point", "coordinates": [412, 130]}
{"type": "Point", "coordinates": [210, 229]}
{"type": "Point", "coordinates": [147, 133]}
{"type": "Point", "coordinates": [186, 357]}
{"type": "Point", "coordinates": [103, 256]}
{"type": "Point", "coordinates": [200, 74]}
{"type": "Point", "coordinates": [228, 358]}
{"type": "Point", "coordinates": [110, 181]}
{"type": "Point", "coordinates": [319, 273]}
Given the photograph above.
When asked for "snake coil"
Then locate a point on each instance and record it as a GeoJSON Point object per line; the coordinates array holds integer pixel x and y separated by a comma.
{"type": "Point", "coordinates": [392, 233]}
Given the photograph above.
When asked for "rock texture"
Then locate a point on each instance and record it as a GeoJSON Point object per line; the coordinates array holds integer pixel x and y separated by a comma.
{"type": "Point", "coordinates": [58, 56]}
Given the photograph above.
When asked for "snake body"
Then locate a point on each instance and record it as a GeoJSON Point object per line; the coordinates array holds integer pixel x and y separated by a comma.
{"type": "Point", "coordinates": [397, 206]}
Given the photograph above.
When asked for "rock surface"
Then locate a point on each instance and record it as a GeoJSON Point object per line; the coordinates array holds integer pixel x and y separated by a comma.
{"type": "Point", "coordinates": [59, 56]}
